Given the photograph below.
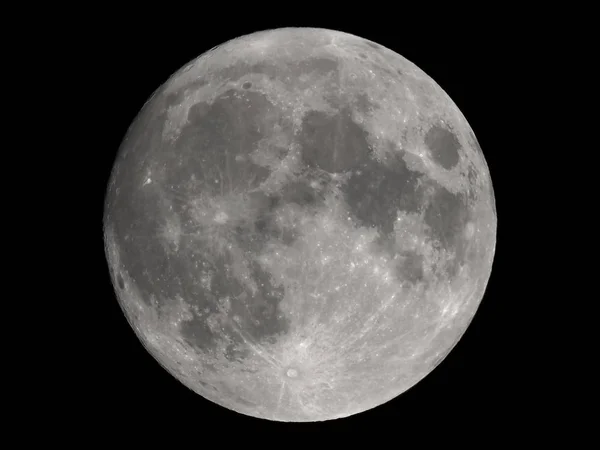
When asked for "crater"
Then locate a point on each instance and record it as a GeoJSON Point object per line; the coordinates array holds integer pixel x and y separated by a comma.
{"type": "Point", "coordinates": [444, 146]}
{"type": "Point", "coordinates": [247, 85]}
{"type": "Point", "coordinates": [120, 281]}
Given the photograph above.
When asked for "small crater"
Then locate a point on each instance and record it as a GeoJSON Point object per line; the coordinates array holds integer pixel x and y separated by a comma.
{"type": "Point", "coordinates": [247, 85]}
{"type": "Point", "coordinates": [120, 282]}
{"type": "Point", "coordinates": [373, 45]}
{"type": "Point", "coordinates": [362, 55]}
{"type": "Point", "coordinates": [292, 373]}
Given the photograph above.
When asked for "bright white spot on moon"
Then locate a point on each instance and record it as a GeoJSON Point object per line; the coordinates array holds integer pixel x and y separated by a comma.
{"type": "Point", "coordinates": [292, 373]}
{"type": "Point", "coordinates": [221, 217]}
{"type": "Point", "coordinates": [469, 230]}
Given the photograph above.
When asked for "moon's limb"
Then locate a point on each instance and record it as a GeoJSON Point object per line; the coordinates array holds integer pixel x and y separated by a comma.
{"type": "Point", "coordinates": [284, 205]}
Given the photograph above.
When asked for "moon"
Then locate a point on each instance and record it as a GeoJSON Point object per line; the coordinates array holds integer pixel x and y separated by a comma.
{"type": "Point", "coordinates": [300, 225]}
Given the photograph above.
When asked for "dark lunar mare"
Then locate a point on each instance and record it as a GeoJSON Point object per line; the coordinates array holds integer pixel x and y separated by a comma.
{"type": "Point", "coordinates": [444, 146]}
{"type": "Point", "coordinates": [206, 150]}
{"type": "Point", "coordinates": [447, 215]}
{"type": "Point", "coordinates": [377, 191]}
{"type": "Point", "coordinates": [332, 143]}
{"type": "Point", "coordinates": [410, 267]}
{"type": "Point", "coordinates": [257, 312]}
{"type": "Point", "coordinates": [215, 134]}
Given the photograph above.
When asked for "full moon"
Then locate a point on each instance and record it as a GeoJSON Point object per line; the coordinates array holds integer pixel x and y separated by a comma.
{"type": "Point", "coordinates": [300, 225]}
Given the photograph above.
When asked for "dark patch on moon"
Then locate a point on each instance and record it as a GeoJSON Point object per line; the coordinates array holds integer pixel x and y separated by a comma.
{"type": "Point", "coordinates": [149, 266]}
{"type": "Point", "coordinates": [409, 267]}
{"type": "Point", "coordinates": [473, 179]}
{"type": "Point", "coordinates": [253, 235]}
{"type": "Point", "coordinates": [376, 191]}
{"type": "Point", "coordinates": [472, 175]}
{"type": "Point", "coordinates": [264, 306]}
{"type": "Point", "coordinates": [300, 193]}
{"type": "Point", "coordinates": [266, 227]}
{"type": "Point", "coordinates": [257, 312]}
{"type": "Point", "coordinates": [446, 215]}
{"type": "Point", "coordinates": [372, 44]}
{"type": "Point", "coordinates": [174, 98]}
{"type": "Point", "coordinates": [332, 143]}
{"type": "Point", "coordinates": [120, 281]}
{"type": "Point", "coordinates": [363, 104]}
{"type": "Point", "coordinates": [216, 134]}
{"type": "Point", "coordinates": [444, 146]}
{"type": "Point", "coordinates": [234, 352]}
{"type": "Point", "coordinates": [249, 237]}
{"type": "Point", "coordinates": [362, 55]}
{"type": "Point", "coordinates": [247, 85]}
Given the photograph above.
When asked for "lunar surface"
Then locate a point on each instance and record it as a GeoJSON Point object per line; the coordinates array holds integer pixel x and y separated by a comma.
{"type": "Point", "coordinates": [300, 225]}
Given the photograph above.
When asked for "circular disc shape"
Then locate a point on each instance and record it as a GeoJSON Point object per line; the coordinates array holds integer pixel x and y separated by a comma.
{"type": "Point", "coordinates": [300, 225]}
